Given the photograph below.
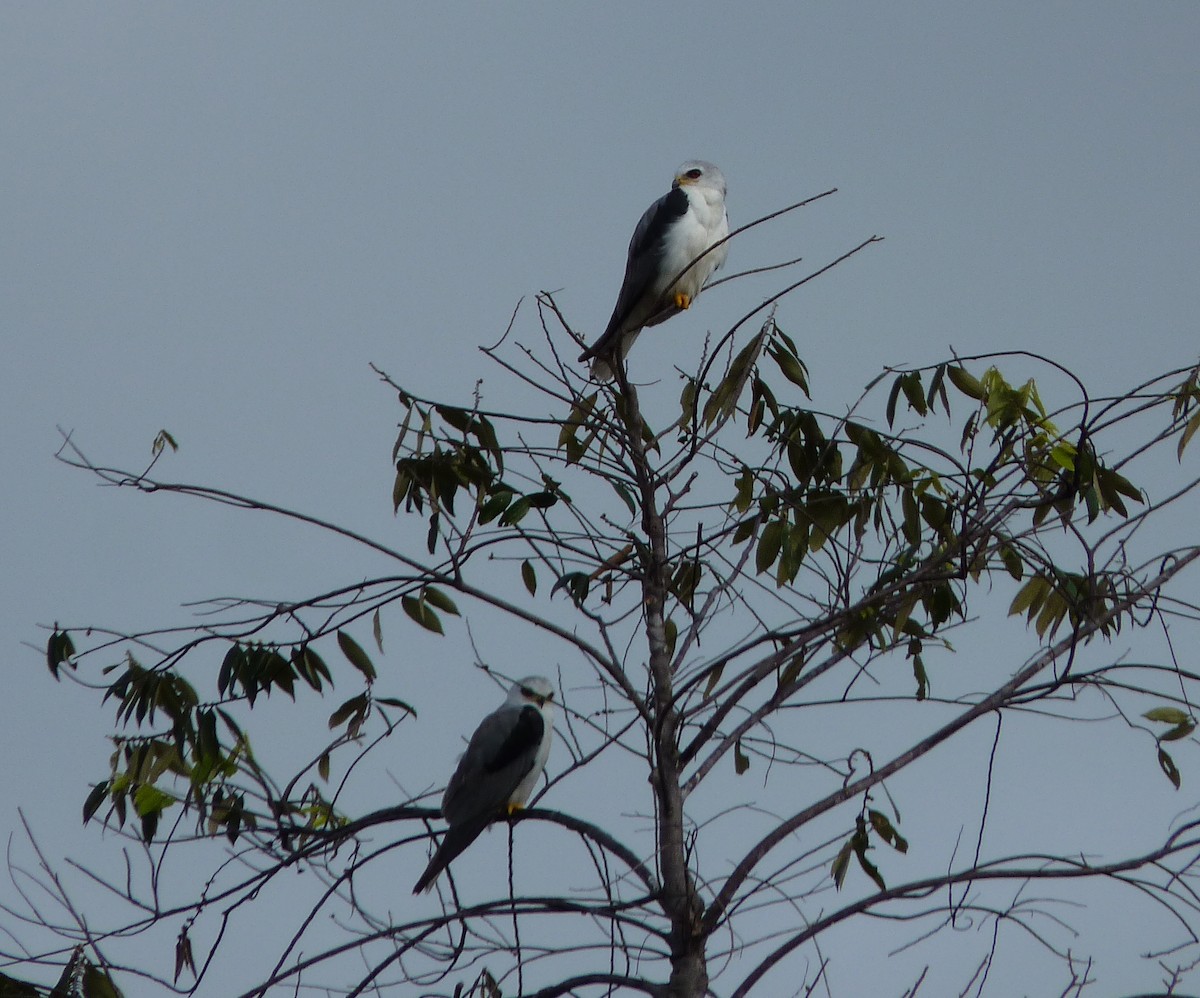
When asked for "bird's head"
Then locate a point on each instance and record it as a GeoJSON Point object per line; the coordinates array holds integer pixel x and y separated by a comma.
{"type": "Point", "coordinates": [700, 174]}
{"type": "Point", "coordinates": [534, 690]}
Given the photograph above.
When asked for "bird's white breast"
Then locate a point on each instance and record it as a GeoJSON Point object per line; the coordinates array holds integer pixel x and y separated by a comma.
{"type": "Point", "coordinates": [525, 787]}
{"type": "Point", "coordinates": [704, 223]}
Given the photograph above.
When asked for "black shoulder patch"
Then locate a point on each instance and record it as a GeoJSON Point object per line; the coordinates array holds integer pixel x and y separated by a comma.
{"type": "Point", "coordinates": [524, 739]}
{"type": "Point", "coordinates": [648, 236]}
{"type": "Point", "coordinates": [672, 206]}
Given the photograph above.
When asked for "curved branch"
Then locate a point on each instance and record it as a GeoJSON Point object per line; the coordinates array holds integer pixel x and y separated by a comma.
{"type": "Point", "coordinates": [1067, 645]}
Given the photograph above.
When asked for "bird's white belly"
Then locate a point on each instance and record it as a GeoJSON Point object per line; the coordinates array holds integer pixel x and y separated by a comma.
{"type": "Point", "coordinates": [691, 238]}
{"type": "Point", "coordinates": [526, 786]}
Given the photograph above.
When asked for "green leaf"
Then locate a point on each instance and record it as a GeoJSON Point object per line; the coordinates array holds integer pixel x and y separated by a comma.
{"type": "Point", "coordinates": [1193, 425]}
{"type": "Point", "coordinates": [741, 762]}
{"type": "Point", "coordinates": [377, 630]}
{"type": "Point", "coordinates": [10, 987]}
{"type": "Point", "coordinates": [355, 706]}
{"type": "Point", "coordinates": [791, 367]}
{"type": "Point", "coordinates": [59, 649]}
{"type": "Point", "coordinates": [1167, 764]}
{"type": "Point", "coordinates": [1166, 715]}
{"type": "Point", "coordinates": [870, 869]}
{"type": "Point", "coordinates": [232, 667]}
{"type": "Point", "coordinates": [724, 398]}
{"type": "Point", "coordinates": [97, 984]}
{"type": "Point", "coordinates": [419, 612]}
{"type": "Point", "coordinates": [310, 667]}
{"type": "Point", "coordinates": [884, 829]}
{"type": "Point", "coordinates": [769, 544]}
{"type": "Point", "coordinates": [965, 382]}
{"type": "Point", "coordinates": [714, 677]}
{"type": "Point", "coordinates": [356, 656]}
{"type": "Point", "coordinates": [791, 671]}
{"type": "Point", "coordinates": [687, 401]}
{"type": "Point", "coordinates": [913, 393]}
{"type": "Point", "coordinates": [921, 677]}
{"type": "Point", "coordinates": [183, 954]}
{"type": "Point", "coordinates": [516, 512]}
{"type": "Point", "coordinates": [893, 398]}
{"type": "Point", "coordinates": [529, 577]}
{"type": "Point", "coordinates": [161, 440]}
{"type": "Point", "coordinates": [577, 584]}
{"type": "Point", "coordinates": [495, 505]}
{"type": "Point", "coordinates": [94, 800]}
{"type": "Point", "coordinates": [393, 702]}
{"type": "Point", "coordinates": [1029, 597]}
{"type": "Point", "coordinates": [623, 493]}
{"type": "Point", "coordinates": [1013, 564]}
{"type": "Point", "coordinates": [437, 598]}
{"type": "Point", "coordinates": [842, 864]}
{"type": "Point", "coordinates": [937, 389]}
{"type": "Point", "coordinates": [911, 527]}
{"type": "Point", "coordinates": [148, 799]}
{"type": "Point", "coordinates": [457, 418]}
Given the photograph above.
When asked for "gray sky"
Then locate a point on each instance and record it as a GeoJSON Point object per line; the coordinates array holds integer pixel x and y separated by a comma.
{"type": "Point", "coordinates": [216, 218]}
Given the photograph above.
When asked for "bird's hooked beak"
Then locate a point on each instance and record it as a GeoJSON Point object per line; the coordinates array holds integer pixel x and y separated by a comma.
{"type": "Point", "coordinates": [682, 181]}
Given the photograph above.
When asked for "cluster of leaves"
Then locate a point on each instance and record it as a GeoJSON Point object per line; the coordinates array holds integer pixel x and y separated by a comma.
{"type": "Point", "coordinates": [1181, 725]}
{"type": "Point", "coordinates": [456, 450]}
{"type": "Point", "coordinates": [936, 526]}
{"type": "Point", "coordinates": [858, 844]}
{"type": "Point", "coordinates": [1185, 410]}
{"type": "Point", "coordinates": [194, 754]}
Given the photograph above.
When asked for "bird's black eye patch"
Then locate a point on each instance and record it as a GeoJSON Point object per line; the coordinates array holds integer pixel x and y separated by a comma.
{"type": "Point", "coordinates": [527, 692]}
{"type": "Point", "coordinates": [695, 174]}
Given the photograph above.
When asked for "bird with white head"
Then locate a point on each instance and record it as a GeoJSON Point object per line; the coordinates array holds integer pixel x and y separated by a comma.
{"type": "Point", "coordinates": [672, 255]}
{"type": "Point", "coordinates": [497, 773]}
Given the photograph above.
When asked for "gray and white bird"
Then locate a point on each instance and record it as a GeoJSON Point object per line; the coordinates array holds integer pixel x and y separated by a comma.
{"type": "Point", "coordinates": [674, 231]}
{"type": "Point", "coordinates": [498, 772]}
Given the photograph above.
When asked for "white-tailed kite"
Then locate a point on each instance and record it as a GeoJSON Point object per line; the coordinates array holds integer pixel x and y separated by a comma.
{"type": "Point", "coordinates": [498, 771]}
{"type": "Point", "coordinates": [674, 231]}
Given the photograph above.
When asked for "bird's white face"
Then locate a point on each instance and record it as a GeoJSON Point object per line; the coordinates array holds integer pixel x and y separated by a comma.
{"type": "Point", "coordinates": [701, 175]}
{"type": "Point", "coordinates": [533, 690]}
{"type": "Point", "coordinates": [687, 177]}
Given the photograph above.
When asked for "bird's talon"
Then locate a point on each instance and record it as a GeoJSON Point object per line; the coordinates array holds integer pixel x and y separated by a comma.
{"type": "Point", "coordinates": [683, 299]}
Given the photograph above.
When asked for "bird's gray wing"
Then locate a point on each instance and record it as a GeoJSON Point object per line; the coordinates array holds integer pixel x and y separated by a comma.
{"type": "Point", "coordinates": [499, 756]}
{"type": "Point", "coordinates": [643, 266]}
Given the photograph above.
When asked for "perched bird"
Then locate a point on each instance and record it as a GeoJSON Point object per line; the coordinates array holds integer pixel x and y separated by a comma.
{"type": "Point", "coordinates": [498, 771]}
{"type": "Point", "coordinates": [673, 232]}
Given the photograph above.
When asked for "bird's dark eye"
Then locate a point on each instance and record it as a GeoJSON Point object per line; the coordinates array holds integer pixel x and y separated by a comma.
{"type": "Point", "coordinates": [527, 692]}
{"type": "Point", "coordinates": [695, 174]}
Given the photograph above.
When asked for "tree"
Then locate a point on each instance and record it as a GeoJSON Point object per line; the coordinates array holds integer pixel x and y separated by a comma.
{"type": "Point", "coordinates": [741, 583]}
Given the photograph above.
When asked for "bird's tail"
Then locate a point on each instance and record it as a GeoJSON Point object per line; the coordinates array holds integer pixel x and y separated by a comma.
{"type": "Point", "coordinates": [604, 353]}
{"type": "Point", "coordinates": [456, 839]}
{"type": "Point", "coordinates": [602, 370]}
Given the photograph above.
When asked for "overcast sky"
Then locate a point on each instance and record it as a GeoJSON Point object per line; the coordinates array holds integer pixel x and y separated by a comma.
{"type": "Point", "coordinates": [216, 216]}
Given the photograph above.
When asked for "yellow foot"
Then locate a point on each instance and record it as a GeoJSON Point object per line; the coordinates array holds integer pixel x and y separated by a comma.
{"type": "Point", "coordinates": [514, 808]}
{"type": "Point", "coordinates": [683, 300]}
